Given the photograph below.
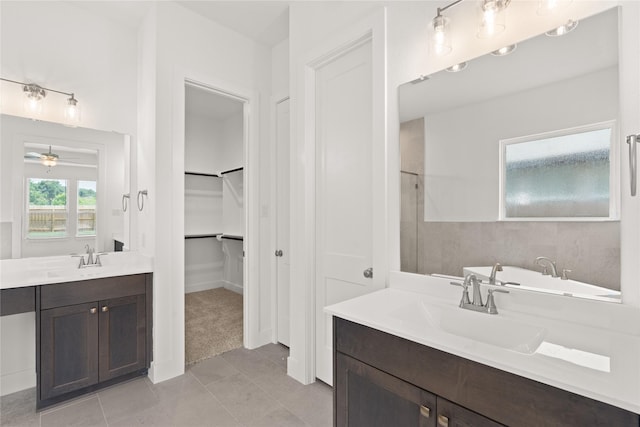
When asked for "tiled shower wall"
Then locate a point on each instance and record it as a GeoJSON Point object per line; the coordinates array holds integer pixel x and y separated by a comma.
{"type": "Point", "coordinates": [590, 249]}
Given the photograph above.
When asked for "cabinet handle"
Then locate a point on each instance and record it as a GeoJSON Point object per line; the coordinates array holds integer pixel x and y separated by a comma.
{"type": "Point", "coordinates": [93, 310]}
{"type": "Point", "coordinates": [443, 421]}
{"type": "Point", "coordinates": [424, 411]}
{"type": "Point", "coordinates": [105, 308]}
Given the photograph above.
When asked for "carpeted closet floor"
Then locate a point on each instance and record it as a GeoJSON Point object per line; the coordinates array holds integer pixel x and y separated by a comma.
{"type": "Point", "coordinates": [213, 323]}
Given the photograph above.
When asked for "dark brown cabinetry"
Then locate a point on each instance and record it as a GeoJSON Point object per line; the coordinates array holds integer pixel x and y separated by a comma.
{"type": "Point", "coordinates": [91, 334]}
{"type": "Point", "coordinates": [383, 380]}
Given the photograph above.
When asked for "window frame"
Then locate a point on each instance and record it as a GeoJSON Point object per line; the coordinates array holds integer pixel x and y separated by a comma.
{"type": "Point", "coordinates": [614, 171]}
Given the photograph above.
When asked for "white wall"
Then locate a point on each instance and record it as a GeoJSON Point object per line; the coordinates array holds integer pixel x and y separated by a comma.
{"type": "Point", "coordinates": [186, 45]}
{"type": "Point", "coordinates": [461, 184]}
{"type": "Point", "coordinates": [59, 45]}
{"type": "Point", "coordinates": [202, 151]}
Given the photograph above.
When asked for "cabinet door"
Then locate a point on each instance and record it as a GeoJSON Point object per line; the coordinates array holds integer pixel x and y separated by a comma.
{"type": "Point", "coordinates": [68, 349]}
{"type": "Point", "coordinates": [122, 336]}
{"type": "Point", "coordinates": [452, 415]}
{"type": "Point", "coordinates": [365, 396]}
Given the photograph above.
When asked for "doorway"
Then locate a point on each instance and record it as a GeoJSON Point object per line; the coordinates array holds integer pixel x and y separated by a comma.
{"type": "Point", "coordinates": [214, 221]}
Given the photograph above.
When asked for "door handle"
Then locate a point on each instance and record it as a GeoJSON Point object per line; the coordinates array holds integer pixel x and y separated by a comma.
{"type": "Point", "coordinates": [443, 421]}
{"type": "Point", "coordinates": [279, 252]}
{"type": "Point", "coordinates": [632, 140]}
{"type": "Point", "coordinates": [105, 308]}
{"type": "Point", "coordinates": [368, 273]}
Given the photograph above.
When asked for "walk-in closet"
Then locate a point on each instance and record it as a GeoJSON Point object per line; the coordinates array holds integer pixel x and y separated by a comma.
{"type": "Point", "coordinates": [214, 222]}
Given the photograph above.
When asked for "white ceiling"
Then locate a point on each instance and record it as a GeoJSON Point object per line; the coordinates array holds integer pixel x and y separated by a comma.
{"type": "Point", "coordinates": [266, 22]}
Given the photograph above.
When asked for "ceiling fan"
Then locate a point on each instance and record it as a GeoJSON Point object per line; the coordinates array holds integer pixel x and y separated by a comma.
{"type": "Point", "coordinates": [47, 159]}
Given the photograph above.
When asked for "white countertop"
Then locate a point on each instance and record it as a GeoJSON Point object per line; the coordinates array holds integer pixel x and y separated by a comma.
{"type": "Point", "coordinates": [22, 272]}
{"type": "Point", "coordinates": [589, 358]}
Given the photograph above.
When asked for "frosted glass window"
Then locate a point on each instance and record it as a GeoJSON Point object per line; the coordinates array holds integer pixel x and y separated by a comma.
{"type": "Point", "coordinates": [564, 176]}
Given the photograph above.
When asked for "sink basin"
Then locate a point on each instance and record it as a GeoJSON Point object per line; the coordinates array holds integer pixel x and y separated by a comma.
{"type": "Point", "coordinates": [496, 330]}
{"type": "Point", "coordinates": [493, 329]}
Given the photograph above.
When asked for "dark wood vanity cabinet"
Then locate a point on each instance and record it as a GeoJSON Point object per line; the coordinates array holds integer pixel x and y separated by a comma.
{"type": "Point", "coordinates": [91, 334]}
{"type": "Point", "coordinates": [384, 380]}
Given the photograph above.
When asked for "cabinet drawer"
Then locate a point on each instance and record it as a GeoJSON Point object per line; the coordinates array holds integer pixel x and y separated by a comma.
{"type": "Point", "coordinates": [84, 291]}
{"type": "Point", "coordinates": [17, 300]}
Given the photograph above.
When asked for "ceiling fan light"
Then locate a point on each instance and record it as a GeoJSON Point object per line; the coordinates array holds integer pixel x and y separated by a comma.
{"type": "Point", "coordinates": [49, 161]}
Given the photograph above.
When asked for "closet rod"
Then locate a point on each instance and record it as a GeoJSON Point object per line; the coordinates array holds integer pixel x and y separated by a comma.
{"type": "Point", "coordinates": [231, 170]}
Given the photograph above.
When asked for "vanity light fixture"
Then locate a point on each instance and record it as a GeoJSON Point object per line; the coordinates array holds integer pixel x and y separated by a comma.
{"type": "Point", "coordinates": [440, 32]}
{"type": "Point", "coordinates": [456, 68]}
{"type": "Point", "coordinates": [504, 51]}
{"type": "Point", "coordinates": [569, 26]}
{"type": "Point", "coordinates": [34, 96]}
{"type": "Point", "coordinates": [492, 20]}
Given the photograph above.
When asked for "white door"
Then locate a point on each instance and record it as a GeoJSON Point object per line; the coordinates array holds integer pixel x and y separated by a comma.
{"type": "Point", "coordinates": [282, 220]}
{"type": "Point", "coordinates": [345, 212]}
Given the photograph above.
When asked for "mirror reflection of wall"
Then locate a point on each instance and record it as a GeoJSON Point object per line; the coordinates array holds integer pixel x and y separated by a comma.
{"type": "Point", "coordinates": [548, 84]}
{"type": "Point", "coordinates": [61, 189]}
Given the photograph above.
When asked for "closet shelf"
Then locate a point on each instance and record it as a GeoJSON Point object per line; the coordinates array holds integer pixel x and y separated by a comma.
{"type": "Point", "coordinates": [231, 170]}
{"type": "Point", "coordinates": [214, 235]}
{"type": "Point", "coordinates": [201, 236]}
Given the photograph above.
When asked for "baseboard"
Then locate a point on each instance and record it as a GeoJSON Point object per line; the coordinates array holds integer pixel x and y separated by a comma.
{"type": "Point", "coordinates": [234, 287]}
{"type": "Point", "coordinates": [17, 381]}
{"type": "Point", "coordinates": [203, 286]}
{"type": "Point", "coordinates": [296, 371]}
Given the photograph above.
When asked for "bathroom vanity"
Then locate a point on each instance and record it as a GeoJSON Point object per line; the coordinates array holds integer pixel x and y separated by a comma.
{"type": "Point", "coordinates": [93, 326]}
{"type": "Point", "coordinates": [399, 359]}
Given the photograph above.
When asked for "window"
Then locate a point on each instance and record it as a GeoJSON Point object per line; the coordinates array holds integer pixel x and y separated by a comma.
{"type": "Point", "coordinates": [86, 208]}
{"type": "Point", "coordinates": [564, 174]}
{"type": "Point", "coordinates": [47, 212]}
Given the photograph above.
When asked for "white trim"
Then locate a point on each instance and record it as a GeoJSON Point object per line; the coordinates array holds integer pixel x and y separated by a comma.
{"type": "Point", "coordinates": [250, 99]}
{"type": "Point", "coordinates": [614, 171]}
{"type": "Point", "coordinates": [301, 362]}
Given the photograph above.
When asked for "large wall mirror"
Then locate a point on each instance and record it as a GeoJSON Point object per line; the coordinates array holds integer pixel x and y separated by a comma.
{"type": "Point", "coordinates": [62, 189]}
{"type": "Point", "coordinates": [515, 157]}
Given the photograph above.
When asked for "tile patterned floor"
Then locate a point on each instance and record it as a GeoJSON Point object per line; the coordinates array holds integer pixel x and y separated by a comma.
{"type": "Point", "coordinates": [238, 388]}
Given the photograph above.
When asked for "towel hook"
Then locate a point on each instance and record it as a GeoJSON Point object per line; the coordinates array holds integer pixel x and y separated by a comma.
{"type": "Point", "coordinates": [140, 200]}
{"type": "Point", "coordinates": [125, 201]}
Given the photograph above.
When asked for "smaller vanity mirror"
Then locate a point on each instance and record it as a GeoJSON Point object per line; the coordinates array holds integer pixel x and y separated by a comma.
{"type": "Point", "coordinates": [62, 189]}
{"type": "Point", "coordinates": [508, 158]}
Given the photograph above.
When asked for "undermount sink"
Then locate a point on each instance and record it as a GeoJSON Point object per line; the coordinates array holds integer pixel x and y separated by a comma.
{"type": "Point", "coordinates": [496, 330]}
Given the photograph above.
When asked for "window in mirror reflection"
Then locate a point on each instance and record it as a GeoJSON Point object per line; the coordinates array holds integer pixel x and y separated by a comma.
{"type": "Point", "coordinates": [47, 211]}
{"type": "Point", "coordinates": [86, 208]}
{"type": "Point", "coordinates": [565, 174]}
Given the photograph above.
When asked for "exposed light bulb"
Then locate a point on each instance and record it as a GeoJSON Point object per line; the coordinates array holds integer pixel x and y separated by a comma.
{"type": "Point", "coordinates": [492, 18]}
{"type": "Point", "coordinates": [72, 112]}
{"type": "Point", "coordinates": [34, 95]}
{"type": "Point", "coordinates": [546, 7]}
{"type": "Point", "coordinates": [440, 39]}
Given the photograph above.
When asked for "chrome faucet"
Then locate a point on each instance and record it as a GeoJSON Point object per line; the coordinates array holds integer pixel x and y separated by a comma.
{"type": "Point", "coordinates": [547, 263]}
{"type": "Point", "coordinates": [492, 278]}
{"type": "Point", "coordinates": [89, 254]}
{"type": "Point", "coordinates": [93, 259]}
{"type": "Point", "coordinates": [476, 304]}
